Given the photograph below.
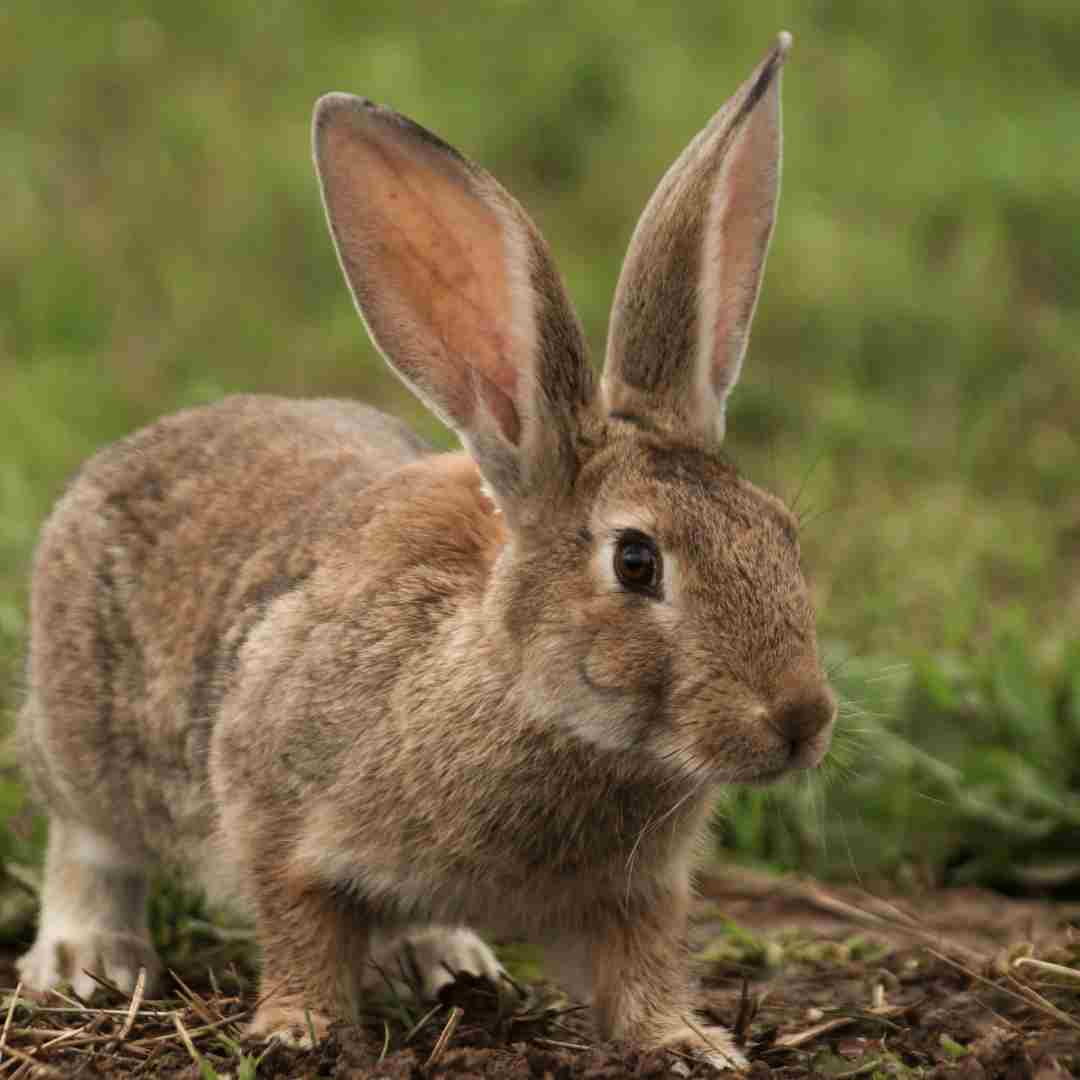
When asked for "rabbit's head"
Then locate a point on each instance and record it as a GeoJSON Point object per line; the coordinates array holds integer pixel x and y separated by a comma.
{"type": "Point", "coordinates": [651, 597]}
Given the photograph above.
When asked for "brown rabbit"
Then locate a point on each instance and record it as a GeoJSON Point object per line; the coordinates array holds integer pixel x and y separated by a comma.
{"type": "Point", "coordinates": [375, 694]}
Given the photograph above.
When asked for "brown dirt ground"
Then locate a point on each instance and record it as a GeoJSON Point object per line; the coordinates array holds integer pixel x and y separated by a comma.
{"type": "Point", "coordinates": [816, 982]}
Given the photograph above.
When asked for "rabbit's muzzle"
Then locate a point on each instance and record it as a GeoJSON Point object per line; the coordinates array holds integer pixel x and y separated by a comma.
{"type": "Point", "coordinates": [805, 721]}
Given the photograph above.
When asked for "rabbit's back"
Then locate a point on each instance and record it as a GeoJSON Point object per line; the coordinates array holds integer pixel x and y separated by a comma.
{"type": "Point", "coordinates": [158, 562]}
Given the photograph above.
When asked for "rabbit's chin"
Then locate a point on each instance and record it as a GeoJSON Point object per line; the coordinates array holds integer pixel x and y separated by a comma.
{"type": "Point", "coordinates": [803, 760]}
{"type": "Point", "coordinates": [764, 778]}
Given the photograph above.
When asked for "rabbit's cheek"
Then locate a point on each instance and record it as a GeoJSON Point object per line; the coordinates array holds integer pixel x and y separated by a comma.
{"type": "Point", "coordinates": [629, 661]}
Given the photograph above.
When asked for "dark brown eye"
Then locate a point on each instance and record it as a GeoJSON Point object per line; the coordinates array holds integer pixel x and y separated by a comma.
{"type": "Point", "coordinates": [637, 563]}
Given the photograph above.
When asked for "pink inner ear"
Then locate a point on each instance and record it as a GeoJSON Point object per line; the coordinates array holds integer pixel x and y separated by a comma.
{"type": "Point", "coordinates": [739, 228]}
{"type": "Point", "coordinates": [427, 258]}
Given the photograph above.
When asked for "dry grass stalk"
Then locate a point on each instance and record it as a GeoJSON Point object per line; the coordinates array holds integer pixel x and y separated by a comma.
{"type": "Point", "coordinates": [886, 915]}
{"type": "Point", "coordinates": [7, 1019]}
{"type": "Point", "coordinates": [145, 1014]}
{"type": "Point", "coordinates": [195, 1001]}
{"type": "Point", "coordinates": [1048, 1007]}
{"type": "Point", "coordinates": [445, 1036]}
{"type": "Point", "coordinates": [972, 963]}
{"type": "Point", "coordinates": [748, 1008]}
{"type": "Point", "coordinates": [133, 1008]}
{"type": "Point", "coordinates": [564, 1045]}
{"type": "Point", "coordinates": [185, 1038]}
{"type": "Point", "coordinates": [1020, 992]}
{"type": "Point", "coordinates": [1048, 968]}
{"type": "Point", "coordinates": [801, 1038]}
{"type": "Point", "coordinates": [29, 1064]}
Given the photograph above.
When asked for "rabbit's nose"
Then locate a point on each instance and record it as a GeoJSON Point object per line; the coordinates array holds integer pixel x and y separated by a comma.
{"type": "Point", "coordinates": [801, 720]}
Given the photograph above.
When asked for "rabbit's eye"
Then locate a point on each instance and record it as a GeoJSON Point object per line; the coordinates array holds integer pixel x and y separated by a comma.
{"type": "Point", "coordinates": [637, 563]}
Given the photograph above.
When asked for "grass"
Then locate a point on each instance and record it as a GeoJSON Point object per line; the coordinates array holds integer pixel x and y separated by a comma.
{"type": "Point", "coordinates": [912, 383]}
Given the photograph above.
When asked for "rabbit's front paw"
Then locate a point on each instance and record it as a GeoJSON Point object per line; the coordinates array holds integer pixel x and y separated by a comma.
{"type": "Point", "coordinates": [422, 962]}
{"type": "Point", "coordinates": [64, 960]}
{"type": "Point", "coordinates": [291, 1025]}
{"type": "Point", "coordinates": [707, 1043]}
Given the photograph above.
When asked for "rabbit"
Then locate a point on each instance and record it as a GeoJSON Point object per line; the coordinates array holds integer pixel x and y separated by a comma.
{"type": "Point", "coordinates": [384, 699]}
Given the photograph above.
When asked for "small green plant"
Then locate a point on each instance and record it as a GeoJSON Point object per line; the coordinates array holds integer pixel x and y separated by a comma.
{"type": "Point", "coordinates": [247, 1064]}
{"type": "Point", "coordinates": [191, 936]}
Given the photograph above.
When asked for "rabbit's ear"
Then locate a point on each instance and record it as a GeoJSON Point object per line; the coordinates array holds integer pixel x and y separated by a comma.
{"type": "Point", "coordinates": [457, 289]}
{"type": "Point", "coordinates": [690, 282]}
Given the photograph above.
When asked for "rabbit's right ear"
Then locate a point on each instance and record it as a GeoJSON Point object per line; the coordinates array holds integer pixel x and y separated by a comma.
{"type": "Point", "coordinates": [458, 291]}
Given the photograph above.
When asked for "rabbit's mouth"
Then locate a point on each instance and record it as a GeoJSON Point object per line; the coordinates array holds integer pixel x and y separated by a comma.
{"type": "Point", "coordinates": [764, 777]}
{"type": "Point", "coordinates": [801, 757]}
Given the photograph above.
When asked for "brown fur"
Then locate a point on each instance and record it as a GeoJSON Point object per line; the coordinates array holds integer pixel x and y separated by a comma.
{"type": "Point", "coordinates": [360, 689]}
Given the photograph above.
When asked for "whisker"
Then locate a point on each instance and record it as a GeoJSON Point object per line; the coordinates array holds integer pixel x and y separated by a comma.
{"type": "Point", "coordinates": [831, 670]}
{"type": "Point", "coordinates": [852, 862]}
{"type": "Point", "coordinates": [654, 823]}
{"type": "Point", "coordinates": [794, 503]}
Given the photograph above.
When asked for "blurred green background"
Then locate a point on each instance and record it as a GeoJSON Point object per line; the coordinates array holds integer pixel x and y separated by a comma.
{"type": "Point", "coordinates": [913, 380]}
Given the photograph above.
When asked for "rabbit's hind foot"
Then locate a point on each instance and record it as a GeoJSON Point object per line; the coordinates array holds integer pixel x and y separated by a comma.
{"type": "Point", "coordinates": [710, 1044]}
{"type": "Point", "coordinates": [92, 919]}
{"type": "Point", "coordinates": [421, 961]}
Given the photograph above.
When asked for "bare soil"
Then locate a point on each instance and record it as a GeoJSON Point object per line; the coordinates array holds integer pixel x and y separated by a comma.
{"type": "Point", "coordinates": [815, 981]}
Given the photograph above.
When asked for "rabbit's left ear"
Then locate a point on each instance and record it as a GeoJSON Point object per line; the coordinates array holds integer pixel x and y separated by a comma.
{"type": "Point", "coordinates": [691, 278]}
